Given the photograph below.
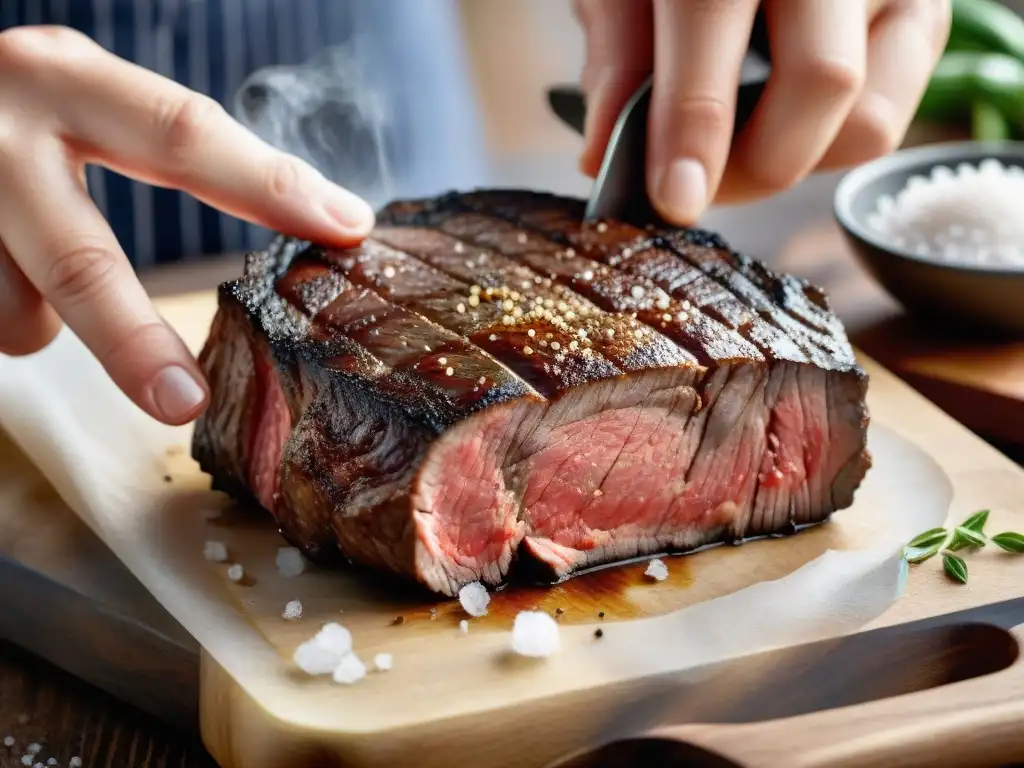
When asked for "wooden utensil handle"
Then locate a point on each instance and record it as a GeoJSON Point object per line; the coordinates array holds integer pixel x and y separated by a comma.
{"type": "Point", "coordinates": [934, 727]}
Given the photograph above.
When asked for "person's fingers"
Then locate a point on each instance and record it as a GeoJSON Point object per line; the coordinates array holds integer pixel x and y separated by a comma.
{"type": "Point", "coordinates": [156, 130]}
{"type": "Point", "coordinates": [699, 48]}
{"type": "Point", "coordinates": [65, 248]}
{"type": "Point", "coordinates": [27, 322]}
{"type": "Point", "coordinates": [818, 68]}
{"type": "Point", "coordinates": [619, 38]}
{"type": "Point", "coordinates": [906, 41]}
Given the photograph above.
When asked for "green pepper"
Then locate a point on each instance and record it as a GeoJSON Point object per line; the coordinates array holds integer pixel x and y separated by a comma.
{"type": "Point", "coordinates": [986, 25]}
{"type": "Point", "coordinates": [988, 123]}
{"type": "Point", "coordinates": [964, 78]}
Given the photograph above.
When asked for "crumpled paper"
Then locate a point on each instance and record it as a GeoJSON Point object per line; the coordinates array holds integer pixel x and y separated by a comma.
{"type": "Point", "coordinates": [106, 459]}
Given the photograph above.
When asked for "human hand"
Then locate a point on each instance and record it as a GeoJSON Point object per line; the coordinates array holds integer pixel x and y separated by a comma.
{"type": "Point", "coordinates": [847, 76]}
{"type": "Point", "coordinates": [66, 102]}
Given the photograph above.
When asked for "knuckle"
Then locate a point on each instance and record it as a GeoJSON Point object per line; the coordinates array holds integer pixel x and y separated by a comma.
{"type": "Point", "coordinates": [27, 49]}
{"type": "Point", "coordinates": [184, 123]}
{"type": "Point", "coordinates": [79, 273]}
{"type": "Point", "coordinates": [835, 77]}
{"type": "Point", "coordinates": [283, 177]}
{"type": "Point", "coordinates": [773, 179]}
{"type": "Point", "coordinates": [709, 112]}
{"type": "Point", "coordinates": [874, 133]}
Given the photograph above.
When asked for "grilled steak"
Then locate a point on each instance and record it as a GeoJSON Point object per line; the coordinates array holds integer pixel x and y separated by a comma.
{"type": "Point", "coordinates": [488, 379]}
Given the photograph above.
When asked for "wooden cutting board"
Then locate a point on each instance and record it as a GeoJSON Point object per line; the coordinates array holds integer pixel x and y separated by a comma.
{"type": "Point", "coordinates": [245, 731]}
{"type": "Point", "coordinates": [979, 381]}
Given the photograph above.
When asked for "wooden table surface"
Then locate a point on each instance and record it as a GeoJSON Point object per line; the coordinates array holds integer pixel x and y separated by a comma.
{"type": "Point", "coordinates": [39, 703]}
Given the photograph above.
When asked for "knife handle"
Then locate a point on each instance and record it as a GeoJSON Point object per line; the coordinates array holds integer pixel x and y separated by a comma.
{"type": "Point", "coordinates": [977, 722]}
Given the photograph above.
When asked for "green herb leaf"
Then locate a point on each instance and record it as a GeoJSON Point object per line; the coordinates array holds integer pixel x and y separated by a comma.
{"type": "Point", "coordinates": [1011, 542]}
{"type": "Point", "coordinates": [955, 567]}
{"type": "Point", "coordinates": [929, 538]}
{"type": "Point", "coordinates": [976, 522]}
{"type": "Point", "coordinates": [965, 537]}
{"type": "Point", "coordinates": [916, 555]}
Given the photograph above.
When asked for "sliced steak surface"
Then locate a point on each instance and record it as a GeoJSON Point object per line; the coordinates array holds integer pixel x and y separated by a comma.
{"type": "Point", "coordinates": [488, 379]}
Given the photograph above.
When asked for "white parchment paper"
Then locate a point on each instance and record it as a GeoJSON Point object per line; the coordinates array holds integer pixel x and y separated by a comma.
{"type": "Point", "coordinates": [106, 459]}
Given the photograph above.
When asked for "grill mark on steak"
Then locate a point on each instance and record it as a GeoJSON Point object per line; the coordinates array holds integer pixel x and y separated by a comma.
{"type": "Point", "coordinates": [589, 281]}
{"type": "Point", "coordinates": [604, 329]}
{"type": "Point", "coordinates": [663, 443]}
{"type": "Point", "coordinates": [616, 243]}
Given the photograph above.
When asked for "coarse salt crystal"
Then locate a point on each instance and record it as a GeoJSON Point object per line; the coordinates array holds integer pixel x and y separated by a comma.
{"type": "Point", "coordinates": [321, 654]}
{"type": "Point", "coordinates": [52, 761]}
{"type": "Point", "coordinates": [236, 572]}
{"type": "Point", "coordinates": [535, 634]}
{"type": "Point", "coordinates": [27, 759]}
{"type": "Point", "coordinates": [967, 215]}
{"type": "Point", "coordinates": [474, 599]}
{"type": "Point", "coordinates": [9, 741]}
{"type": "Point", "coordinates": [464, 627]}
{"type": "Point", "coordinates": [34, 748]}
{"type": "Point", "coordinates": [383, 662]}
{"type": "Point", "coordinates": [76, 762]}
{"type": "Point", "coordinates": [290, 562]}
{"type": "Point", "coordinates": [349, 670]}
{"type": "Point", "coordinates": [292, 611]}
{"type": "Point", "coordinates": [657, 570]}
{"type": "Point", "coordinates": [38, 765]}
{"type": "Point", "coordinates": [215, 551]}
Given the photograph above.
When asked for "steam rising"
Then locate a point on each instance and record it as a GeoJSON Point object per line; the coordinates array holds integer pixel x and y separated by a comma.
{"type": "Point", "coordinates": [329, 112]}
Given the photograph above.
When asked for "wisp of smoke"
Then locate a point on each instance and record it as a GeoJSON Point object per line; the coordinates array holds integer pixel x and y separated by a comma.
{"type": "Point", "coordinates": [330, 113]}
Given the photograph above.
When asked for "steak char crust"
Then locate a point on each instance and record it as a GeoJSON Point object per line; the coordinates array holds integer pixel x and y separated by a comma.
{"type": "Point", "coordinates": [489, 378]}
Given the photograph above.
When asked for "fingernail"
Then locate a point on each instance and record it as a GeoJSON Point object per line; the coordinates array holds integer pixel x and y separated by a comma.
{"type": "Point", "coordinates": [176, 394]}
{"type": "Point", "coordinates": [682, 190]}
{"type": "Point", "coordinates": [351, 211]}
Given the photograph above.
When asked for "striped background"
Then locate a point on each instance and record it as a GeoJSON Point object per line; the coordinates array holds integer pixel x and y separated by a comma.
{"type": "Point", "coordinates": [412, 49]}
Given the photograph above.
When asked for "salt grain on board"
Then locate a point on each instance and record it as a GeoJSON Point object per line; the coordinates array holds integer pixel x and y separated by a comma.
{"type": "Point", "coordinates": [970, 215]}
{"type": "Point", "coordinates": [383, 662]}
{"type": "Point", "coordinates": [464, 627]}
{"type": "Point", "coordinates": [215, 551]}
{"type": "Point", "coordinates": [290, 562]}
{"type": "Point", "coordinates": [236, 572]}
{"type": "Point", "coordinates": [9, 741]}
{"type": "Point", "coordinates": [349, 670]}
{"type": "Point", "coordinates": [52, 761]}
{"type": "Point", "coordinates": [535, 634]}
{"type": "Point", "coordinates": [321, 654]}
{"type": "Point", "coordinates": [33, 748]}
{"type": "Point", "coordinates": [474, 599]}
{"type": "Point", "coordinates": [292, 611]}
{"type": "Point", "coordinates": [657, 570]}
{"type": "Point", "coordinates": [27, 759]}
{"type": "Point", "coordinates": [76, 762]}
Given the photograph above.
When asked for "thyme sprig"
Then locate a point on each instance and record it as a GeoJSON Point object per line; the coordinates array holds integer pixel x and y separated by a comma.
{"type": "Point", "coordinates": [970, 534]}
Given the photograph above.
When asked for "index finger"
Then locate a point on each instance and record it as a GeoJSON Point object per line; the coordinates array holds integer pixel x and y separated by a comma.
{"type": "Point", "coordinates": [153, 129]}
{"type": "Point", "coordinates": [699, 48]}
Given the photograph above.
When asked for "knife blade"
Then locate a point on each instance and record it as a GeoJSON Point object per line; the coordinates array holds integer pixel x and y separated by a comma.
{"type": "Point", "coordinates": [826, 674]}
{"type": "Point", "coordinates": [620, 189]}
